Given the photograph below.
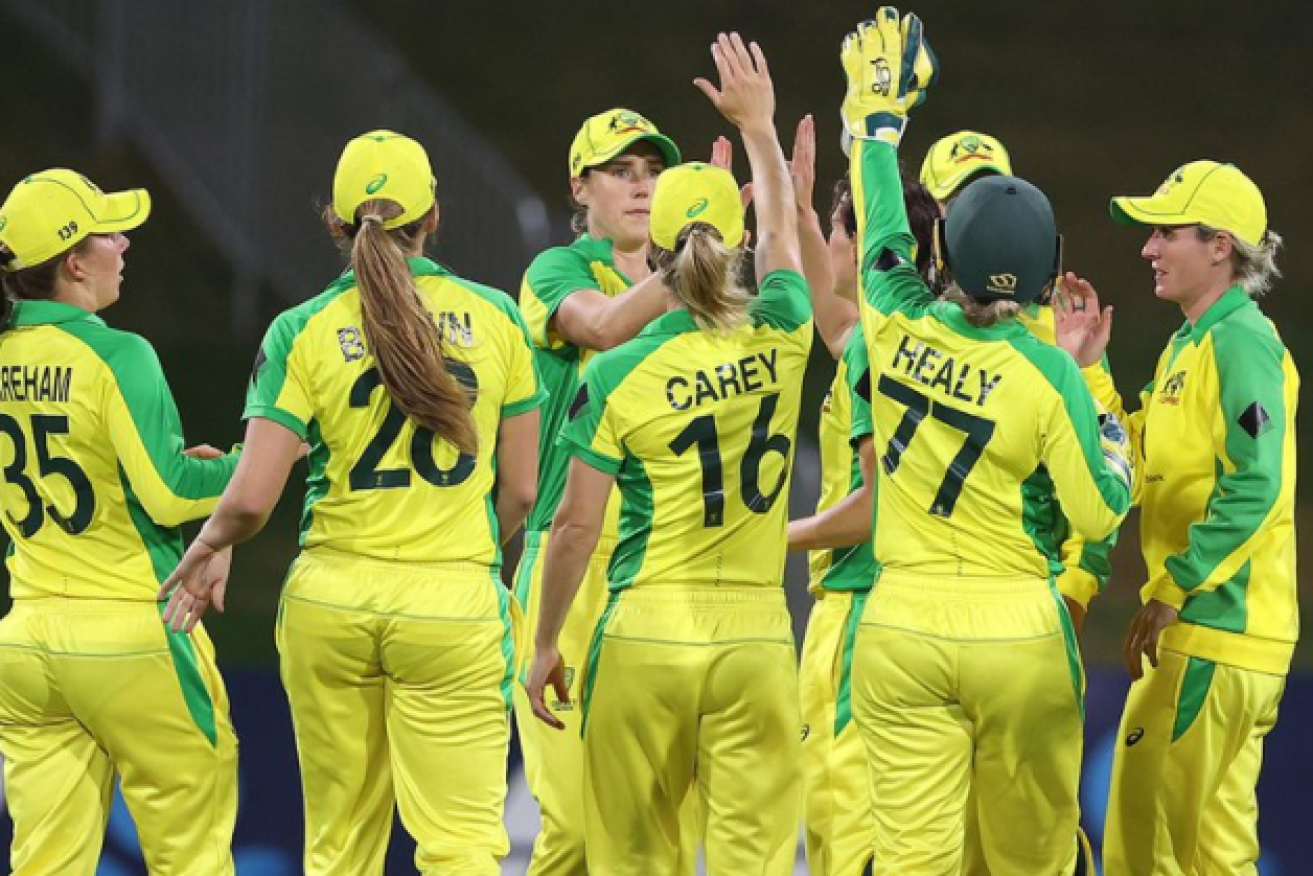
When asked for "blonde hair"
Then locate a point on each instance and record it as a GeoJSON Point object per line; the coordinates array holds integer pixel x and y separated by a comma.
{"type": "Point", "coordinates": [702, 272]}
{"type": "Point", "coordinates": [1254, 268]}
{"type": "Point", "coordinates": [400, 331]}
{"type": "Point", "coordinates": [982, 314]}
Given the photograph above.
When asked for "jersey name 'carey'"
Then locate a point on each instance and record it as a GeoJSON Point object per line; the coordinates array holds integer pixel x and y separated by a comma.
{"type": "Point", "coordinates": [728, 379]}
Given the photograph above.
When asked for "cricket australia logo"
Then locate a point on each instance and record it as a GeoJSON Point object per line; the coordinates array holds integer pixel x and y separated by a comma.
{"type": "Point", "coordinates": [1172, 388]}
{"type": "Point", "coordinates": [352, 343]}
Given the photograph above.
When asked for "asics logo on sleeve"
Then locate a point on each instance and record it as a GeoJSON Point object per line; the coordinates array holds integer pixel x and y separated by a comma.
{"type": "Point", "coordinates": [1134, 736]}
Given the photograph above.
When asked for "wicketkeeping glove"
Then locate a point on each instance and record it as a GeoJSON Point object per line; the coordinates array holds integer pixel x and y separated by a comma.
{"type": "Point", "coordinates": [889, 66]}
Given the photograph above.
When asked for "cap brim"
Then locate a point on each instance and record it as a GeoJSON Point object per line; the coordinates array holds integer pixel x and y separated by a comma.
{"type": "Point", "coordinates": [124, 211]}
{"type": "Point", "coordinates": [1142, 212]}
{"type": "Point", "coordinates": [669, 151]}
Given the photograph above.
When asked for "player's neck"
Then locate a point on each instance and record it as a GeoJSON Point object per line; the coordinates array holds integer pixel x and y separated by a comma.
{"type": "Point", "coordinates": [631, 263]}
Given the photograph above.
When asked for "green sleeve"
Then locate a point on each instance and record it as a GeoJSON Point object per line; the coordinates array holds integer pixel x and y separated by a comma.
{"type": "Point", "coordinates": [782, 301]}
{"type": "Point", "coordinates": [551, 278]}
{"type": "Point", "coordinates": [275, 392]}
{"type": "Point", "coordinates": [1249, 362]}
{"type": "Point", "coordinates": [858, 371]}
{"type": "Point", "coordinates": [889, 278]}
{"type": "Point", "coordinates": [590, 432]}
{"type": "Point", "coordinates": [146, 431]}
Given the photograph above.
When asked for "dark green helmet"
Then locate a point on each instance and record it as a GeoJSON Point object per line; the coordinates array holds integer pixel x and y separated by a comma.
{"type": "Point", "coordinates": [1000, 241]}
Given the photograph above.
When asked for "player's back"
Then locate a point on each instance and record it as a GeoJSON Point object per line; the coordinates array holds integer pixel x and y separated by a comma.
{"type": "Point", "coordinates": [699, 428]}
{"type": "Point", "coordinates": [965, 417]}
{"type": "Point", "coordinates": [380, 485]}
{"type": "Point", "coordinates": [95, 479]}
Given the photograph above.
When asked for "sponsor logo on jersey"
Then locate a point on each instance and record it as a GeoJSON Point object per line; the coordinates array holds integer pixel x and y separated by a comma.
{"type": "Point", "coordinates": [1134, 736]}
{"type": "Point", "coordinates": [806, 731]}
{"type": "Point", "coordinates": [566, 705]}
{"type": "Point", "coordinates": [352, 343]}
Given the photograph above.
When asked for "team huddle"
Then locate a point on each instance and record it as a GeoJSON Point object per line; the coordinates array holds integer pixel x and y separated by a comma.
{"type": "Point", "coordinates": [636, 413]}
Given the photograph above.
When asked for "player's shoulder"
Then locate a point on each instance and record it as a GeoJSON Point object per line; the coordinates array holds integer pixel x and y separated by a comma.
{"type": "Point", "coordinates": [452, 290]}
{"type": "Point", "coordinates": [117, 347]}
{"type": "Point", "coordinates": [571, 258]}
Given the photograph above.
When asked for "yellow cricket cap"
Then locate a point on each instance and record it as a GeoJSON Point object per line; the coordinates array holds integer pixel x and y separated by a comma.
{"type": "Point", "coordinates": [696, 192]}
{"type": "Point", "coordinates": [955, 159]}
{"type": "Point", "coordinates": [388, 166]}
{"type": "Point", "coordinates": [1200, 193]}
{"type": "Point", "coordinates": [52, 211]}
{"type": "Point", "coordinates": [606, 135]}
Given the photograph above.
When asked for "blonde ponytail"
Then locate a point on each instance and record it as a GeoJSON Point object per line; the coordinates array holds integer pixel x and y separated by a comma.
{"type": "Point", "coordinates": [400, 331]}
{"type": "Point", "coordinates": [702, 272]}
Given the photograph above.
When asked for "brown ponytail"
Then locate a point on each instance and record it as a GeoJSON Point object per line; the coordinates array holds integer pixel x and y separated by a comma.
{"type": "Point", "coordinates": [400, 331]}
{"type": "Point", "coordinates": [703, 273]}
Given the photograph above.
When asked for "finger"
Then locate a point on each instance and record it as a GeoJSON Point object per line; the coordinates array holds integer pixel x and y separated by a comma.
{"type": "Point", "coordinates": [558, 687]}
{"type": "Point", "coordinates": [217, 595]}
{"type": "Point", "coordinates": [759, 59]}
{"type": "Point", "coordinates": [723, 53]}
{"type": "Point", "coordinates": [807, 129]}
{"type": "Point", "coordinates": [194, 617]}
{"type": "Point", "coordinates": [745, 195]}
{"type": "Point", "coordinates": [540, 710]}
{"type": "Point", "coordinates": [738, 55]}
{"type": "Point", "coordinates": [203, 451]}
{"type": "Point", "coordinates": [712, 93]}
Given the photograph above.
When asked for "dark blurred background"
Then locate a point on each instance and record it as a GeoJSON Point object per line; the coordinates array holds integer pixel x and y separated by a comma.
{"type": "Point", "coordinates": [233, 113]}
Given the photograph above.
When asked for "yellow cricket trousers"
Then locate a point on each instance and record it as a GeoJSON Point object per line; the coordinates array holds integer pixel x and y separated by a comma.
{"type": "Point", "coordinates": [399, 679]}
{"type": "Point", "coordinates": [1185, 770]}
{"type": "Point", "coordinates": [90, 688]}
{"type": "Point", "coordinates": [554, 759]}
{"type": "Point", "coordinates": [692, 688]}
{"type": "Point", "coordinates": [968, 686]}
{"type": "Point", "coordinates": [838, 826]}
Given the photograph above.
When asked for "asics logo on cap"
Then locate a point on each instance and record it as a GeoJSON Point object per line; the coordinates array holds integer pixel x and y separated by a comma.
{"type": "Point", "coordinates": [1171, 182]}
{"type": "Point", "coordinates": [1002, 284]}
{"type": "Point", "coordinates": [376, 183]}
{"type": "Point", "coordinates": [4, 220]}
{"type": "Point", "coordinates": [698, 206]}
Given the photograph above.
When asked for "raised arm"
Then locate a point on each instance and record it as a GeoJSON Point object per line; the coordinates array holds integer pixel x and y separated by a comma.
{"type": "Point", "coordinates": [746, 97]}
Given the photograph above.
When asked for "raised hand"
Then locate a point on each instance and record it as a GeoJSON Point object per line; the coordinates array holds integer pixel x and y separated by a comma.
{"type": "Point", "coordinates": [802, 165]}
{"type": "Point", "coordinates": [1083, 328]}
{"type": "Point", "coordinates": [889, 66]}
{"type": "Point", "coordinates": [746, 95]}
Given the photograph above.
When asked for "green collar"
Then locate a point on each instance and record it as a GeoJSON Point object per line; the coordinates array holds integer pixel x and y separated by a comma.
{"type": "Point", "coordinates": [420, 266]}
{"type": "Point", "coordinates": [1227, 303]}
{"type": "Point", "coordinates": [672, 322]}
{"type": "Point", "coordinates": [952, 316]}
{"type": "Point", "coordinates": [50, 313]}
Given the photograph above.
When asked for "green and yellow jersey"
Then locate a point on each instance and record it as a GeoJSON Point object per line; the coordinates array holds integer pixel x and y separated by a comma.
{"type": "Point", "coordinates": [379, 485]}
{"type": "Point", "coordinates": [966, 417]}
{"type": "Point", "coordinates": [95, 479]}
{"type": "Point", "coordinates": [1083, 567]}
{"type": "Point", "coordinates": [1215, 479]}
{"type": "Point", "coordinates": [845, 420]}
{"type": "Point", "coordinates": [698, 428]}
{"type": "Point", "coordinates": [552, 277]}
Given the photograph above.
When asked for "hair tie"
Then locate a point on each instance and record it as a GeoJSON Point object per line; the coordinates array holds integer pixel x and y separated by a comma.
{"type": "Point", "coordinates": [371, 217]}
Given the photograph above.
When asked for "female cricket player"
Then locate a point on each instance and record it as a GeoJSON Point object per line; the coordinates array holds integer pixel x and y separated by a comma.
{"type": "Point", "coordinates": [1215, 443]}
{"type": "Point", "coordinates": [691, 681]}
{"type": "Point", "coordinates": [416, 392]}
{"type": "Point", "coordinates": [96, 484]}
{"type": "Point", "coordinates": [966, 678]}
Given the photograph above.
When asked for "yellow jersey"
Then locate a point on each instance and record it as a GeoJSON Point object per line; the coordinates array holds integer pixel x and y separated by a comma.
{"type": "Point", "coordinates": [698, 428]}
{"type": "Point", "coordinates": [966, 417]}
{"type": "Point", "coordinates": [379, 485]}
{"type": "Point", "coordinates": [95, 482]}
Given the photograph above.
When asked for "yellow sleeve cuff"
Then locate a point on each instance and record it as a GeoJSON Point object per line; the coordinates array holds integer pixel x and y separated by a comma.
{"type": "Point", "coordinates": [1079, 586]}
{"type": "Point", "coordinates": [1164, 590]}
